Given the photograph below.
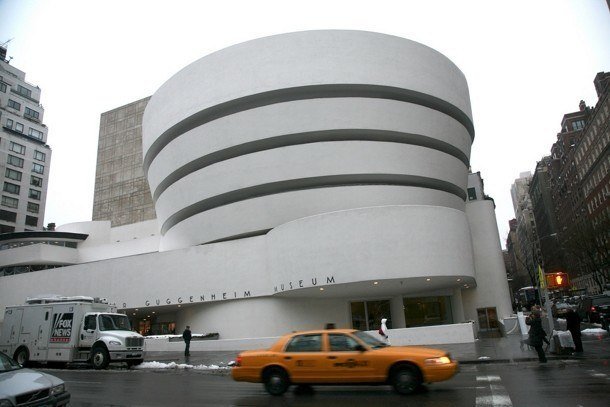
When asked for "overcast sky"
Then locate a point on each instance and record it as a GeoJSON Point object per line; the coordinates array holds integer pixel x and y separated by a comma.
{"type": "Point", "coordinates": [527, 63]}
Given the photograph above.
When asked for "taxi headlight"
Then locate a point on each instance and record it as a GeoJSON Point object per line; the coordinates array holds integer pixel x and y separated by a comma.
{"type": "Point", "coordinates": [57, 389]}
{"type": "Point", "coordinates": [443, 360]}
{"type": "Point", "coordinates": [116, 343]}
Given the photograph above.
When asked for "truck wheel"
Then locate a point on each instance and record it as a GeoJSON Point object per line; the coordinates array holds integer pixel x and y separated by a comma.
{"type": "Point", "coordinates": [22, 356]}
{"type": "Point", "coordinates": [276, 381]}
{"type": "Point", "coordinates": [100, 357]}
{"type": "Point", "coordinates": [405, 380]}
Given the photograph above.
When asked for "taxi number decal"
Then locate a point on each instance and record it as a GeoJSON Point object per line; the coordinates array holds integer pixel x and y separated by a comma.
{"type": "Point", "coordinates": [305, 363]}
{"type": "Point", "coordinates": [351, 363]}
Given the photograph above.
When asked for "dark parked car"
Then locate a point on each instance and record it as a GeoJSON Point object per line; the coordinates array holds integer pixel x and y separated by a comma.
{"type": "Point", "coordinates": [588, 310]}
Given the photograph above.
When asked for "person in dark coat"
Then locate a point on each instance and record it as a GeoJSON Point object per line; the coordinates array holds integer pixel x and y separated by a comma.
{"type": "Point", "coordinates": [537, 336]}
{"type": "Point", "coordinates": [573, 325]}
{"type": "Point", "coordinates": [186, 335]}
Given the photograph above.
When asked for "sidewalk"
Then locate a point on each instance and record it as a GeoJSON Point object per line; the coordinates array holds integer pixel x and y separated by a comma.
{"type": "Point", "coordinates": [488, 350]}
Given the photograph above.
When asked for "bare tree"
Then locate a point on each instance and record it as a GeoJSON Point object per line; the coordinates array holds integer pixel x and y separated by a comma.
{"type": "Point", "coordinates": [591, 247]}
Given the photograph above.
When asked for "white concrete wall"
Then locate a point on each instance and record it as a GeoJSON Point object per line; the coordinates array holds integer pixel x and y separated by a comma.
{"type": "Point", "coordinates": [424, 336]}
{"type": "Point", "coordinates": [236, 153]}
{"type": "Point", "coordinates": [301, 59]}
{"type": "Point", "coordinates": [389, 242]}
{"type": "Point", "coordinates": [492, 284]}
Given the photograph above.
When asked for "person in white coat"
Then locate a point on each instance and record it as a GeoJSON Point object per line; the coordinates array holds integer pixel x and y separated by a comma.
{"type": "Point", "coordinates": [383, 331]}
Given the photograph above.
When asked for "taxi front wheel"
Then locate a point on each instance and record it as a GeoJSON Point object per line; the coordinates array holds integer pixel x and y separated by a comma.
{"type": "Point", "coordinates": [405, 380]}
{"type": "Point", "coordinates": [276, 381]}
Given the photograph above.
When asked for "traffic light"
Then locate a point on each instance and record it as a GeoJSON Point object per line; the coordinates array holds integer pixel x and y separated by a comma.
{"type": "Point", "coordinates": [557, 280]}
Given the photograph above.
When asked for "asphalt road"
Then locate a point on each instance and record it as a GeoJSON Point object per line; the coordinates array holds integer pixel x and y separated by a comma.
{"type": "Point", "coordinates": [558, 383]}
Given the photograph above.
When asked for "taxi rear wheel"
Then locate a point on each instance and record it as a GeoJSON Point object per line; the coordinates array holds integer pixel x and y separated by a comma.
{"type": "Point", "coordinates": [276, 381]}
{"type": "Point", "coordinates": [405, 380]}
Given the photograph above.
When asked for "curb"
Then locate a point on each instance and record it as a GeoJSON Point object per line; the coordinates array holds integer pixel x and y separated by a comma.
{"type": "Point", "coordinates": [521, 359]}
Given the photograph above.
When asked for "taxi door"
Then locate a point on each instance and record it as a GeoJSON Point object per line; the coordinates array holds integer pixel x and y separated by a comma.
{"type": "Point", "coordinates": [345, 363]}
{"type": "Point", "coordinates": [303, 360]}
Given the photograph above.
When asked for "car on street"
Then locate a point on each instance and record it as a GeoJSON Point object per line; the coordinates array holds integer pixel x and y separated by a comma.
{"type": "Point", "coordinates": [560, 309]}
{"type": "Point", "coordinates": [26, 387]}
{"type": "Point", "coordinates": [588, 309]}
{"type": "Point", "coordinates": [342, 356]}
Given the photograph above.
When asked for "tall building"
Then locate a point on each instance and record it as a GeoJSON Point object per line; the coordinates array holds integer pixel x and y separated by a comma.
{"type": "Point", "coordinates": [526, 250]}
{"type": "Point", "coordinates": [540, 190]}
{"type": "Point", "coordinates": [570, 192]}
{"type": "Point", "coordinates": [121, 194]}
{"type": "Point", "coordinates": [25, 157]}
{"type": "Point", "coordinates": [320, 170]}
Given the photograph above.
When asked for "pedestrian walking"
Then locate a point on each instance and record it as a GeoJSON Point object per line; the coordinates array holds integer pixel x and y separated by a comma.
{"type": "Point", "coordinates": [537, 336]}
{"type": "Point", "coordinates": [573, 325]}
{"type": "Point", "coordinates": [383, 331]}
{"type": "Point", "coordinates": [186, 335]}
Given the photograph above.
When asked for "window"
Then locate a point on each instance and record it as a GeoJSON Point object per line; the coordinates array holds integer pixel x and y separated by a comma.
{"type": "Point", "coordinates": [37, 168]}
{"type": "Point", "coordinates": [35, 181]}
{"type": "Point", "coordinates": [36, 134]}
{"type": "Point", "coordinates": [2, 87]}
{"type": "Point", "coordinates": [90, 323]}
{"type": "Point", "coordinates": [9, 123]}
{"type": "Point", "coordinates": [34, 194]}
{"type": "Point", "coordinates": [366, 315]}
{"type": "Point", "coordinates": [305, 343]}
{"type": "Point", "coordinates": [19, 127]}
{"type": "Point", "coordinates": [342, 343]}
{"type": "Point", "coordinates": [17, 148]}
{"type": "Point", "coordinates": [472, 194]}
{"type": "Point", "coordinates": [425, 311]}
{"type": "Point", "coordinates": [31, 220]}
{"type": "Point", "coordinates": [24, 91]}
{"type": "Point", "coordinates": [578, 124]}
{"type": "Point", "coordinates": [16, 161]}
{"type": "Point", "coordinates": [14, 105]}
{"type": "Point", "coordinates": [11, 188]}
{"type": "Point", "coordinates": [6, 229]}
{"type": "Point", "coordinates": [12, 174]}
{"type": "Point", "coordinates": [10, 202]}
{"type": "Point", "coordinates": [39, 155]}
{"type": "Point", "coordinates": [8, 216]}
{"type": "Point", "coordinates": [32, 113]}
{"type": "Point", "coordinates": [33, 207]}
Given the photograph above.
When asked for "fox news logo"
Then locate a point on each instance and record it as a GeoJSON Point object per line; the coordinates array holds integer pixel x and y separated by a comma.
{"type": "Point", "coordinates": [62, 327]}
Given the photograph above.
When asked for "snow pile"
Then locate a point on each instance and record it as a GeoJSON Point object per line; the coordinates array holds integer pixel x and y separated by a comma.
{"type": "Point", "coordinates": [594, 332]}
{"type": "Point", "coordinates": [177, 366]}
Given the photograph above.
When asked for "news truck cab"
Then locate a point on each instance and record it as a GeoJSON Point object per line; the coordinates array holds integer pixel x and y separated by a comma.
{"type": "Point", "coordinates": [69, 329]}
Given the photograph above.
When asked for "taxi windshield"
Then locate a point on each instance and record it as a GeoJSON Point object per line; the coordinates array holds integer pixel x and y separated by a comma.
{"type": "Point", "coordinates": [370, 340]}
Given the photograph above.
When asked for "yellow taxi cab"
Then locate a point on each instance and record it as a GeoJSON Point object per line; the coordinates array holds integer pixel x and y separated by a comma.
{"type": "Point", "coordinates": [341, 356]}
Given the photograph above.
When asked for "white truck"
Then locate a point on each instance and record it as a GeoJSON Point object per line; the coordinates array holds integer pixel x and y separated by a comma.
{"type": "Point", "coordinates": [69, 329]}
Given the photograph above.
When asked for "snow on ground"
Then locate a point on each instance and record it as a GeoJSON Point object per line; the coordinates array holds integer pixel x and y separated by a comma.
{"type": "Point", "coordinates": [177, 366]}
{"type": "Point", "coordinates": [594, 332]}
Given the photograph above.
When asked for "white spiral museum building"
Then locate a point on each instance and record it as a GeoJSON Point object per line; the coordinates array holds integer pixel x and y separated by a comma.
{"type": "Point", "coordinates": [302, 179]}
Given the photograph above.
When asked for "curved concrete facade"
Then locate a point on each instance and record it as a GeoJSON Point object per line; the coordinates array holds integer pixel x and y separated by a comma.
{"type": "Point", "coordinates": [325, 171]}
{"type": "Point", "coordinates": [301, 124]}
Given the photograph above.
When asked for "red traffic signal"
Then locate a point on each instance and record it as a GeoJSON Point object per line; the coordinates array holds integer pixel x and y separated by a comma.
{"type": "Point", "coordinates": [557, 280]}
